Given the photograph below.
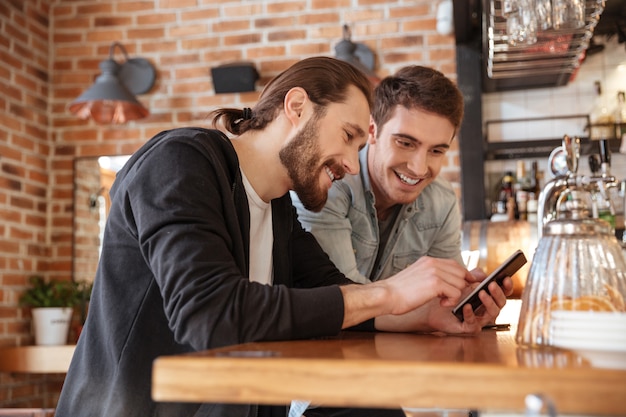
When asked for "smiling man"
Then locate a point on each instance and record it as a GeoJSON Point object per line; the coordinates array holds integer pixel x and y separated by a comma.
{"type": "Point", "coordinates": [396, 210]}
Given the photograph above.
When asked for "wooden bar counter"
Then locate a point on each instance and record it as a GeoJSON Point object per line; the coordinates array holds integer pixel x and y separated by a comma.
{"type": "Point", "coordinates": [488, 372]}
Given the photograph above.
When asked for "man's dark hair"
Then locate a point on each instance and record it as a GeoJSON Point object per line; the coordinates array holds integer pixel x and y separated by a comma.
{"type": "Point", "coordinates": [417, 87]}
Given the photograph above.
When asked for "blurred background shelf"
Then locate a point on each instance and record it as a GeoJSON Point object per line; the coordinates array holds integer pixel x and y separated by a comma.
{"type": "Point", "coordinates": [36, 359]}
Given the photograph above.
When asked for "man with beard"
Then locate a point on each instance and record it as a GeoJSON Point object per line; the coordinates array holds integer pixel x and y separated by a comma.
{"type": "Point", "coordinates": [202, 247]}
{"type": "Point", "coordinates": [396, 210]}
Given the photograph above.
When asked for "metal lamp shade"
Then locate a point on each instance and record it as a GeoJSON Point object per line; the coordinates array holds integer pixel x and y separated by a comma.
{"type": "Point", "coordinates": [358, 54]}
{"type": "Point", "coordinates": [108, 101]}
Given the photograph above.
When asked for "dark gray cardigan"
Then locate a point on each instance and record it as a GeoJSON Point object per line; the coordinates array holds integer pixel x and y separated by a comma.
{"type": "Point", "coordinates": [173, 278]}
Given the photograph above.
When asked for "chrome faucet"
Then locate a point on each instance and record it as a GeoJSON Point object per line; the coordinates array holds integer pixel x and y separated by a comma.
{"type": "Point", "coordinates": [563, 162]}
{"type": "Point", "coordinates": [567, 184]}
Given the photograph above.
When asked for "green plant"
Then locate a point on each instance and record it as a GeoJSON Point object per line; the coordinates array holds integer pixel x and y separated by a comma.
{"type": "Point", "coordinates": [84, 295]}
{"type": "Point", "coordinates": [42, 293]}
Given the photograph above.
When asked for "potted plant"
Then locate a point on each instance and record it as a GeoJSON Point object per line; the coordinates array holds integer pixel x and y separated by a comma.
{"type": "Point", "coordinates": [83, 289]}
{"type": "Point", "coordinates": [52, 303]}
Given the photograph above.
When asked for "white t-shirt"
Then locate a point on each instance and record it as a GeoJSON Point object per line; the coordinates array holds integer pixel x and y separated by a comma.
{"type": "Point", "coordinates": [261, 236]}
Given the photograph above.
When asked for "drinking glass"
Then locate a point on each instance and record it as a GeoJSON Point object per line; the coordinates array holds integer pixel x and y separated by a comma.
{"type": "Point", "coordinates": [568, 14]}
{"type": "Point", "coordinates": [544, 14]}
{"type": "Point", "coordinates": [521, 24]}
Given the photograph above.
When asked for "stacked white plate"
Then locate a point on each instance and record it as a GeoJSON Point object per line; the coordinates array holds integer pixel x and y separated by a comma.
{"type": "Point", "coordinates": [598, 336]}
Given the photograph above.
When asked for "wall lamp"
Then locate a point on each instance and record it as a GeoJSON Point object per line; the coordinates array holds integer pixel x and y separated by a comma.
{"type": "Point", "coordinates": [357, 54]}
{"type": "Point", "coordinates": [111, 99]}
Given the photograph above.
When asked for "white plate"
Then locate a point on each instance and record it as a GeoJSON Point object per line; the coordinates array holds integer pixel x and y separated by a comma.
{"type": "Point", "coordinates": [603, 359]}
{"type": "Point", "coordinates": [584, 335]}
{"type": "Point", "coordinates": [597, 328]}
{"type": "Point", "coordinates": [618, 343]}
{"type": "Point", "coordinates": [589, 344]}
{"type": "Point", "coordinates": [589, 318]}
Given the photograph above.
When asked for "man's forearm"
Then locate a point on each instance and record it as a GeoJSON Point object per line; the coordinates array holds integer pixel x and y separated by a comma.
{"type": "Point", "coordinates": [363, 302]}
{"type": "Point", "coordinates": [414, 321]}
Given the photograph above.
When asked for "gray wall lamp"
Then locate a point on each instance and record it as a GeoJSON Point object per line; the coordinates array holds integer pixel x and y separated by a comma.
{"type": "Point", "coordinates": [357, 54]}
{"type": "Point", "coordinates": [111, 99]}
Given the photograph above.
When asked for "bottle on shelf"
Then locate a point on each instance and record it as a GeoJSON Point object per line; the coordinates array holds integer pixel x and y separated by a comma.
{"type": "Point", "coordinates": [521, 189]}
{"type": "Point", "coordinates": [620, 109]}
{"type": "Point", "coordinates": [605, 209]}
{"type": "Point", "coordinates": [506, 209]}
{"type": "Point", "coordinates": [620, 119]}
{"type": "Point", "coordinates": [601, 117]}
{"type": "Point", "coordinates": [535, 180]}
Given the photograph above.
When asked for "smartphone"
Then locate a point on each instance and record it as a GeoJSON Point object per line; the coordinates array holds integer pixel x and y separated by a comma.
{"type": "Point", "coordinates": [506, 269]}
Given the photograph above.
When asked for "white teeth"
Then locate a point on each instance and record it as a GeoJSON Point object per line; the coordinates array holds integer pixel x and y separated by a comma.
{"type": "Point", "coordinates": [408, 180]}
{"type": "Point", "coordinates": [330, 174]}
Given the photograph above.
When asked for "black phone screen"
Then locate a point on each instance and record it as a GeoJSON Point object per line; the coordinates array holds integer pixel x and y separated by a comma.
{"type": "Point", "coordinates": [506, 269]}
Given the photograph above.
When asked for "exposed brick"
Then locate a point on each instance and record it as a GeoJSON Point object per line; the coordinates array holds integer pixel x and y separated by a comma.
{"type": "Point", "coordinates": [273, 22]}
{"type": "Point", "coordinates": [416, 57]}
{"type": "Point", "coordinates": [285, 35]}
{"type": "Point", "coordinates": [370, 2]}
{"type": "Point", "coordinates": [13, 30]}
{"type": "Point", "coordinates": [74, 50]}
{"type": "Point", "coordinates": [183, 87]}
{"type": "Point", "coordinates": [441, 54]}
{"type": "Point", "coordinates": [96, 9]}
{"type": "Point", "coordinates": [218, 57]}
{"type": "Point", "coordinates": [402, 42]}
{"type": "Point", "coordinates": [9, 247]}
{"type": "Point", "coordinates": [10, 92]}
{"type": "Point", "coordinates": [161, 46]}
{"type": "Point", "coordinates": [188, 30]}
{"type": "Point", "coordinates": [162, 19]}
{"type": "Point", "coordinates": [420, 25]}
{"type": "Point", "coordinates": [180, 59]}
{"type": "Point", "coordinates": [231, 26]}
{"type": "Point", "coordinates": [73, 22]}
{"type": "Point", "coordinates": [101, 35]}
{"type": "Point", "coordinates": [170, 4]}
{"type": "Point", "coordinates": [312, 48]}
{"type": "Point", "coordinates": [150, 33]}
{"type": "Point", "coordinates": [330, 4]}
{"type": "Point", "coordinates": [134, 6]}
{"type": "Point", "coordinates": [250, 38]}
{"type": "Point", "coordinates": [286, 6]}
{"type": "Point", "coordinates": [317, 18]}
{"type": "Point", "coordinates": [200, 43]}
{"type": "Point", "coordinates": [108, 21]}
{"type": "Point", "coordinates": [246, 9]}
{"type": "Point", "coordinates": [266, 51]}
{"type": "Point", "coordinates": [414, 10]}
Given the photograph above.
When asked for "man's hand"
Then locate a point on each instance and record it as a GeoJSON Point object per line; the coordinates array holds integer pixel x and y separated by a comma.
{"type": "Point", "coordinates": [441, 319]}
{"type": "Point", "coordinates": [443, 280]}
{"type": "Point", "coordinates": [436, 316]}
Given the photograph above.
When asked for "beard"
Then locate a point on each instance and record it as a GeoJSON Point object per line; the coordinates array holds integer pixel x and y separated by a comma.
{"type": "Point", "coordinates": [301, 157]}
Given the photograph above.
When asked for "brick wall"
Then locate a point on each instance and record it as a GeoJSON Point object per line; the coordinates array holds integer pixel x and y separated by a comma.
{"type": "Point", "coordinates": [25, 175]}
{"type": "Point", "coordinates": [49, 54]}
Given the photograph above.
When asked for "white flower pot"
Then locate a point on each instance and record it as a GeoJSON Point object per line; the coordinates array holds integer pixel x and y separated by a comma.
{"type": "Point", "coordinates": [51, 325]}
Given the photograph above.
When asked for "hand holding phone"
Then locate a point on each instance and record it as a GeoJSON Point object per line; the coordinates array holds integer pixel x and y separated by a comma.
{"type": "Point", "coordinates": [506, 269]}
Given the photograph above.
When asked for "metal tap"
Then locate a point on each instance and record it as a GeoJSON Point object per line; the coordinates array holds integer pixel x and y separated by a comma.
{"type": "Point", "coordinates": [563, 162]}
{"type": "Point", "coordinates": [567, 183]}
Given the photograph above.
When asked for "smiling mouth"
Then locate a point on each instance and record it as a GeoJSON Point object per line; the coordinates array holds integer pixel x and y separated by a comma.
{"type": "Point", "coordinates": [407, 180]}
{"type": "Point", "coordinates": [330, 173]}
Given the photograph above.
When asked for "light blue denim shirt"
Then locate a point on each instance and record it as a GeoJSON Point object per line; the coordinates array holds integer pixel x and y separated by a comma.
{"type": "Point", "coordinates": [347, 227]}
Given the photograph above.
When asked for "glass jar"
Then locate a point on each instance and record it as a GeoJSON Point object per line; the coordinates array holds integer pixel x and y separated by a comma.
{"type": "Point", "coordinates": [578, 265]}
